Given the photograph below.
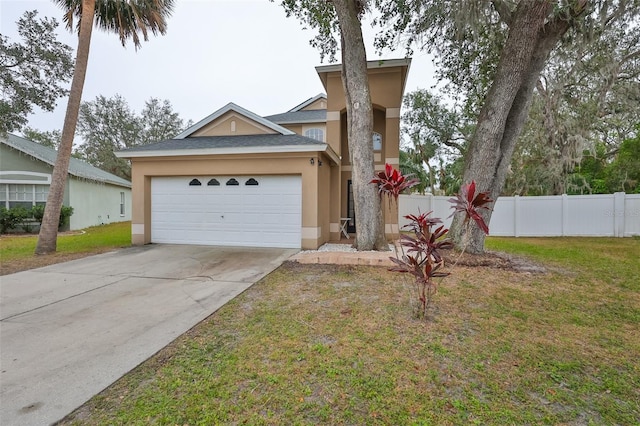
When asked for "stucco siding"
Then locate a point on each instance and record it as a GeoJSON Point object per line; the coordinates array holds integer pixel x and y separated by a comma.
{"type": "Point", "coordinates": [232, 123]}
{"type": "Point", "coordinates": [96, 204]}
{"type": "Point", "coordinates": [228, 165]}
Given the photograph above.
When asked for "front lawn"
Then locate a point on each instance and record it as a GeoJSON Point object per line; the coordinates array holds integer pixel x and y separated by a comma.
{"type": "Point", "coordinates": [313, 344]}
{"type": "Point", "coordinates": [16, 251]}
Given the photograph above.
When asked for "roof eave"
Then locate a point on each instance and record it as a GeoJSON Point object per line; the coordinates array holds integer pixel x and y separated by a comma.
{"type": "Point", "coordinates": [224, 151]}
{"type": "Point", "coordinates": [308, 102]}
{"type": "Point", "coordinates": [324, 70]}
{"type": "Point", "coordinates": [301, 121]}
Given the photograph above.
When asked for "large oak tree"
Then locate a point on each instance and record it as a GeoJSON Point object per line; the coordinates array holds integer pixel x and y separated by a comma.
{"type": "Point", "coordinates": [494, 52]}
{"type": "Point", "coordinates": [344, 18]}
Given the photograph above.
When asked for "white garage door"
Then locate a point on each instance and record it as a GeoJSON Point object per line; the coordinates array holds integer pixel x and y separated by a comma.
{"type": "Point", "coordinates": [249, 211]}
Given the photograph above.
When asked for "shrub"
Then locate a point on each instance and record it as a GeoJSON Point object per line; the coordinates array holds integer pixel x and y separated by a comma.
{"type": "Point", "coordinates": [37, 212]}
{"type": "Point", "coordinates": [65, 214]}
{"type": "Point", "coordinates": [16, 217]}
{"type": "Point", "coordinates": [11, 218]}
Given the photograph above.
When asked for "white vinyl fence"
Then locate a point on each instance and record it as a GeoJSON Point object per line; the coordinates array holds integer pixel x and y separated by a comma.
{"type": "Point", "coordinates": [609, 215]}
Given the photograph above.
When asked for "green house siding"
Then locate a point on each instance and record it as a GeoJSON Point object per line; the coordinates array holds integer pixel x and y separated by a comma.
{"type": "Point", "coordinates": [97, 203]}
{"type": "Point", "coordinates": [12, 160]}
{"type": "Point", "coordinates": [94, 201]}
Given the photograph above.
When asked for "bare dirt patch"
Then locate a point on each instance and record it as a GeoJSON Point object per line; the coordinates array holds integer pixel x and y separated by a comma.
{"type": "Point", "coordinates": [494, 259]}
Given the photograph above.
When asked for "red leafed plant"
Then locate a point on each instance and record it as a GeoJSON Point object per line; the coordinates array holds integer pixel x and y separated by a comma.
{"type": "Point", "coordinates": [468, 202]}
{"type": "Point", "coordinates": [422, 258]}
{"type": "Point", "coordinates": [392, 182]}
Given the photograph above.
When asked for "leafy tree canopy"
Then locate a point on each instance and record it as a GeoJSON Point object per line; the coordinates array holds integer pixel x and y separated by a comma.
{"type": "Point", "coordinates": [585, 105]}
{"type": "Point", "coordinates": [32, 71]}
{"type": "Point", "coordinates": [107, 125]}
{"type": "Point", "coordinates": [50, 139]}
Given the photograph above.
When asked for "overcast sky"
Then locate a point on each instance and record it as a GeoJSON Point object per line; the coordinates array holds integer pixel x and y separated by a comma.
{"type": "Point", "coordinates": [215, 52]}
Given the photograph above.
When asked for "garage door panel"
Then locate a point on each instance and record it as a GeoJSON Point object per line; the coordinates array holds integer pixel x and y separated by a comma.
{"type": "Point", "coordinates": [263, 215]}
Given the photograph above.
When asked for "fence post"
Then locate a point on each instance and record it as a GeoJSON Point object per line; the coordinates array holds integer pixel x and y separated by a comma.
{"type": "Point", "coordinates": [565, 214]}
{"type": "Point", "coordinates": [516, 208]}
{"type": "Point", "coordinates": [618, 214]}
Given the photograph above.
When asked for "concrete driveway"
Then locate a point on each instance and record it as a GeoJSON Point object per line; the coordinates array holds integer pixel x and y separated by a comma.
{"type": "Point", "coordinates": [68, 331]}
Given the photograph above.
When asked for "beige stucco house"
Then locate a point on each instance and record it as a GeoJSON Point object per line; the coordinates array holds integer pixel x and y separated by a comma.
{"type": "Point", "coordinates": [238, 179]}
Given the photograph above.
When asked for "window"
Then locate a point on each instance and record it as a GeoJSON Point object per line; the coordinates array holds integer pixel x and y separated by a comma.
{"type": "Point", "coordinates": [315, 133]}
{"type": "Point", "coordinates": [213, 182]}
{"type": "Point", "coordinates": [232, 182]}
{"type": "Point", "coordinates": [122, 204]}
{"type": "Point", "coordinates": [23, 195]}
{"type": "Point", "coordinates": [195, 182]}
{"type": "Point", "coordinates": [377, 141]}
{"type": "Point", "coordinates": [251, 181]}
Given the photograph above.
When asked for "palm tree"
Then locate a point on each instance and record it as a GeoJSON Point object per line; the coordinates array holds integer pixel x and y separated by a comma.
{"type": "Point", "coordinates": [129, 19]}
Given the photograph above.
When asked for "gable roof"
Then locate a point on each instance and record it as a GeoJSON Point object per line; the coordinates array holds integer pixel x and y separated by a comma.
{"type": "Point", "coordinates": [235, 144]}
{"type": "Point", "coordinates": [308, 102]}
{"type": "Point", "coordinates": [238, 109]}
{"type": "Point", "coordinates": [294, 117]}
{"type": "Point", "coordinates": [77, 168]}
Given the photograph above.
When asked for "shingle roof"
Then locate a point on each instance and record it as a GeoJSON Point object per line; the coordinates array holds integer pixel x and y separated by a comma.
{"type": "Point", "coordinates": [77, 168]}
{"type": "Point", "coordinates": [236, 141]}
{"type": "Point", "coordinates": [293, 117]}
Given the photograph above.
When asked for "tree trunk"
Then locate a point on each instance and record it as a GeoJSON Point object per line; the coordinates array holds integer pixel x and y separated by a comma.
{"type": "Point", "coordinates": [47, 238]}
{"type": "Point", "coordinates": [368, 211]}
{"type": "Point", "coordinates": [532, 37]}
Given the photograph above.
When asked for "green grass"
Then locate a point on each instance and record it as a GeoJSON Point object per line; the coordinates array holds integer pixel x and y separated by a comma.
{"type": "Point", "coordinates": [611, 258]}
{"type": "Point", "coordinates": [313, 344]}
{"type": "Point", "coordinates": [16, 252]}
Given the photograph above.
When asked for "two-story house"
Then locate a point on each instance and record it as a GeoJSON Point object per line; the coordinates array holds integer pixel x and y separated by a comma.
{"type": "Point", "coordinates": [238, 179]}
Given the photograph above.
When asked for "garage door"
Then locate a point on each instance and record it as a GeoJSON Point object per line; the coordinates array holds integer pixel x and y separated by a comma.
{"type": "Point", "coordinates": [249, 211]}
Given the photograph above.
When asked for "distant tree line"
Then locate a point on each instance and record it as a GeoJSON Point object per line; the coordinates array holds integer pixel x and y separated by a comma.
{"type": "Point", "coordinates": [106, 125]}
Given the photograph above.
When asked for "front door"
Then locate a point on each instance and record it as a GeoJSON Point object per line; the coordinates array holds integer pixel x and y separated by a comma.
{"type": "Point", "coordinates": [351, 212]}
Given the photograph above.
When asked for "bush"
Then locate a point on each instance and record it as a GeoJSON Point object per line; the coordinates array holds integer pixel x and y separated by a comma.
{"type": "Point", "coordinates": [20, 217]}
{"type": "Point", "coordinates": [11, 218]}
{"type": "Point", "coordinates": [37, 212]}
{"type": "Point", "coordinates": [65, 214]}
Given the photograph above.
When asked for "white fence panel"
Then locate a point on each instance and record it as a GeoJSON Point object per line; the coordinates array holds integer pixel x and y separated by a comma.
{"type": "Point", "coordinates": [562, 215]}
{"type": "Point", "coordinates": [538, 216]}
{"type": "Point", "coordinates": [415, 204]}
{"type": "Point", "coordinates": [502, 221]}
{"type": "Point", "coordinates": [589, 215]}
{"type": "Point", "coordinates": [631, 216]}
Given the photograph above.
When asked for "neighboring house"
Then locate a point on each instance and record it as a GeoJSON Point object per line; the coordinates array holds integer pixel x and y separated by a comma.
{"type": "Point", "coordinates": [284, 180]}
{"type": "Point", "coordinates": [97, 197]}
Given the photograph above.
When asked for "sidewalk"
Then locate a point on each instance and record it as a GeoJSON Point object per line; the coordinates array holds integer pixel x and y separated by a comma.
{"type": "Point", "coordinates": [345, 257]}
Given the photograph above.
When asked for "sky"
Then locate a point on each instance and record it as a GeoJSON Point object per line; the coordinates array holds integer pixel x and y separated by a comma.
{"type": "Point", "coordinates": [214, 52]}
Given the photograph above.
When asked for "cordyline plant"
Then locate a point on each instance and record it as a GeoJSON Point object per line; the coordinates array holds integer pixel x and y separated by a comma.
{"type": "Point", "coordinates": [391, 182]}
{"type": "Point", "coordinates": [423, 258]}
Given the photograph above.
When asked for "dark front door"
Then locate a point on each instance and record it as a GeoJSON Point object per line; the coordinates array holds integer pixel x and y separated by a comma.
{"type": "Point", "coordinates": [351, 212]}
